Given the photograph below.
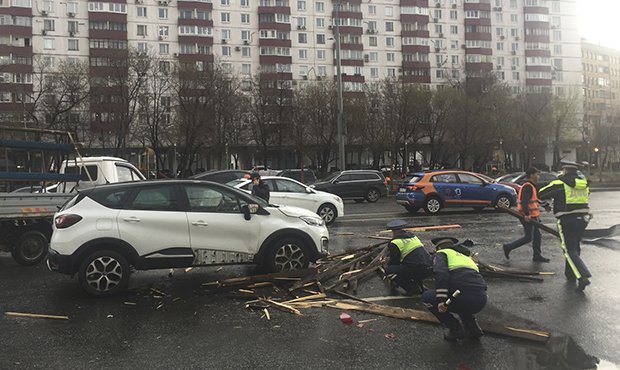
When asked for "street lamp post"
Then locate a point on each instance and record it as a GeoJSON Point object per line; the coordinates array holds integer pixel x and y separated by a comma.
{"type": "Point", "coordinates": [341, 155]}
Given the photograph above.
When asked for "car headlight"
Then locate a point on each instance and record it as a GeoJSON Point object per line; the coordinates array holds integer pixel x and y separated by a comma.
{"type": "Point", "coordinates": [313, 221]}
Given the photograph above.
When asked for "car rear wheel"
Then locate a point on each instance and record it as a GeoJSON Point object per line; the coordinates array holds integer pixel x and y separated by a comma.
{"type": "Point", "coordinates": [412, 209]}
{"type": "Point", "coordinates": [30, 248]}
{"type": "Point", "coordinates": [104, 273]}
{"type": "Point", "coordinates": [328, 213]}
{"type": "Point", "coordinates": [373, 195]}
{"type": "Point", "coordinates": [432, 205]}
{"type": "Point", "coordinates": [503, 201]}
{"type": "Point", "coordinates": [287, 254]}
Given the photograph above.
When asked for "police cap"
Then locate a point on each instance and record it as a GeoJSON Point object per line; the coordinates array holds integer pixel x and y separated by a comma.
{"type": "Point", "coordinates": [569, 164]}
{"type": "Point", "coordinates": [254, 175]}
{"type": "Point", "coordinates": [396, 225]}
{"type": "Point", "coordinates": [444, 241]}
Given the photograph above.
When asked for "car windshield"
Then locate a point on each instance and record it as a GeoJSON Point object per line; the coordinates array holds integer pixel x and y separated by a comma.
{"type": "Point", "coordinates": [412, 179]}
{"type": "Point", "coordinates": [330, 177]}
{"type": "Point", "coordinates": [509, 177]}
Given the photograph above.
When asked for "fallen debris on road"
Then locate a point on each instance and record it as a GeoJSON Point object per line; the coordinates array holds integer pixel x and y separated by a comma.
{"type": "Point", "coordinates": [36, 315]}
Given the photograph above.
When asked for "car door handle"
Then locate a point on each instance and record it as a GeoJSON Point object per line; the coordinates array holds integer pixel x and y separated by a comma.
{"type": "Point", "coordinates": [199, 223]}
{"type": "Point", "coordinates": [131, 219]}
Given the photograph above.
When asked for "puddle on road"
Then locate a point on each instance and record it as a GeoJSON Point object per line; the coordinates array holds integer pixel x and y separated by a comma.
{"type": "Point", "coordinates": [559, 353]}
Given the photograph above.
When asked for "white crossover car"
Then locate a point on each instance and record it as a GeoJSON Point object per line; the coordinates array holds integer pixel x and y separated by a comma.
{"type": "Point", "coordinates": [103, 231]}
{"type": "Point", "coordinates": [291, 192]}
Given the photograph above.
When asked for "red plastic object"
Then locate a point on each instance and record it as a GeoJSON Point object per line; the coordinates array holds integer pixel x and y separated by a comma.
{"type": "Point", "coordinates": [346, 318]}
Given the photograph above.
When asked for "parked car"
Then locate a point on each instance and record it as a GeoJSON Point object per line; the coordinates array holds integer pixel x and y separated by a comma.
{"type": "Point", "coordinates": [309, 176]}
{"type": "Point", "coordinates": [102, 232]}
{"type": "Point", "coordinates": [517, 179]}
{"type": "Point", "coordinates": [290, 192]}
{"type": "Point", "coordinates": [221, 176]}
{"type": "Point", "coordinates": [354, 184]}
{"type": "Point", "coordinates": [435, 190]}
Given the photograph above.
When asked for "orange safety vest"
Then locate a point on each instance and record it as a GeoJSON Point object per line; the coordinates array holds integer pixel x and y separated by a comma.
{"type": "Point", "coordinates": [533, 203]}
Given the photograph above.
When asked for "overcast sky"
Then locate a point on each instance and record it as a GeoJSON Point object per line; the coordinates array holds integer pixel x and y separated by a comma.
{"type": "Point", "coordinates": [599, 21]}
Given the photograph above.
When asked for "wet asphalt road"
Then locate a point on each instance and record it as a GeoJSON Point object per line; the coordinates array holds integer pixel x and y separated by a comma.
{"type": "Point", "coordinates": [190, 328]}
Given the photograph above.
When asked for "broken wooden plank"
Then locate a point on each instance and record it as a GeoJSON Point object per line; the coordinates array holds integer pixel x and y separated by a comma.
{"type": "Point", "coordinates": [266, 314]}
{"type": "Point", "coordinates": [246, 280]}
{"type": "Point", "coordinates": [281, 306]}
{"type": "Point", "coordinates": [346, 295]}
{"type": "Point", "coordinates": [306, 298]}
{"type": "Point", "coordinates": [36, 315]}
{"type": "Point", "coordinates": [538, 336]}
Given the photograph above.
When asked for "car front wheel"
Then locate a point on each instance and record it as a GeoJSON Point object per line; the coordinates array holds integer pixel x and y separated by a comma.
{"type": "Point", "coordinates": [503, 201]}
{"type": "Point", "coordinates": [104, 273]}
{"type": "Point", "coordinates": [287, 254]}
{"type": "Point", "coordinates": [373, 195]}
{"type": "Point", "coordinates": [432, 205]}
{"type": "Point", "coordinates": [328, 213]}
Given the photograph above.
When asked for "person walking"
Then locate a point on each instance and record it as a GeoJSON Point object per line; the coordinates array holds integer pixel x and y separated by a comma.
{"type": "Point", "coordinates": [409, 260]}
{"type": "Point", "coordinates": [527, 205]}
{"type": "Point", "coordinates": [455, 270]}
{"type": "Point", "coordinates": [259, 187]}
{"type": "Point", "coordinates": [570, 194]}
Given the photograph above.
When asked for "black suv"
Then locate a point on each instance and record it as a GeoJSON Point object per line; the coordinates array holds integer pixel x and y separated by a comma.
{"type": "Point", "coordinates": [295, 174]}
{"type": "Point", "coordinates": [355, 184]}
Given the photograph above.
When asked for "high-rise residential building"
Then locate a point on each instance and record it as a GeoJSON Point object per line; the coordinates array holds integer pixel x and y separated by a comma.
{"type": "Point", "coordinates": [532, 45]}
{"type": "Point", "coordinates": [601, 85]}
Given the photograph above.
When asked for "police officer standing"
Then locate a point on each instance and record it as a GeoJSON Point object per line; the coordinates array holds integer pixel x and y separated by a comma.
{"type": "Point", "coordinates": [409, 260]}
{"type": "Point", "coordinates": [527, 205]}
{"type": "Point", "coordinates": [455, 270]}
{"type": "Point", "coordinates": [570, 194]}
{"type": "Point", "coordinates": [259, 187]}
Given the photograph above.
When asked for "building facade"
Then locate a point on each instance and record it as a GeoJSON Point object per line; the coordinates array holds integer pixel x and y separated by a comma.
{"type": "Point", "coordinates": [532, 45]}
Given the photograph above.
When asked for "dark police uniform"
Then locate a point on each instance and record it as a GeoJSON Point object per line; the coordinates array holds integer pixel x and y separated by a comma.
{"type": "Point", "coordinates": [261, 189]}
{"type": "Point", "coordinates": [409, 260]}
{"type": "Point", "coordinates": [570, 195]}
{"type": "Point", "coordinates": [455, 270]}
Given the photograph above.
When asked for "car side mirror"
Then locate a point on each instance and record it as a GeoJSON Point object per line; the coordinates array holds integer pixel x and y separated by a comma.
{"type": "Point", "coordinates": [309, 190]}
{"type": "Point", "coordinates": [249, 209]}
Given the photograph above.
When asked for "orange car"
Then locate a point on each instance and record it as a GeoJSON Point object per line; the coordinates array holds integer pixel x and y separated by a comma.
{"type": "Point", "coordinates": [435, 190]}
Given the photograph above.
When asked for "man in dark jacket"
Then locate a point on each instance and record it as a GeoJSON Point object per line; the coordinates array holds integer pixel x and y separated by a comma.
{"type": "Point", "coordinates": [455, 270]}
{"type": "Point", "coordinates": [409, 260]}
{"type": "Point", "coordinates": [259, 188]}
{"type": "Point", "coordinates": [570, 194]}
{"type": "Point", "coordinates": [529, 208]}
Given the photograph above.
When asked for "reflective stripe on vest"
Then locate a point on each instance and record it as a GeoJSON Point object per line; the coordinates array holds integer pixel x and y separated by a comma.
{"type": "Point", "coordinates": [458, 260]}
{"type": "Point", "coordinates": [532, 204]}
{"type": "Point", "coordinates": [579, 194]}
{"type": "Point", "coordinates": [407, 245]}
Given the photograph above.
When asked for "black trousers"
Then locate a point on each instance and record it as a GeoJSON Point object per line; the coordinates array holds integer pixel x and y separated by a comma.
{"type": "Point", "coordinates": [532, 234]}
{"type": "Point", "coordinates": [571, 229]}
{"type": "Point", "coordinates": [465, 305]}
{"type": "Point", "coordinates": [409, 277]}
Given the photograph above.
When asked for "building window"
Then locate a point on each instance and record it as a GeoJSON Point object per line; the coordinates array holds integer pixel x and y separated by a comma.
{"type": "Point", "coordinates": [389, 26]}
{"type": "Point", "coordinates": [164, 48]}
{"type": "Point", "coordinates": [390, 57]}
{"type": "Point", "coordinates": [389, 42]}
{"type": "Point", "coordinates": [72, 7]}
{"type": "Point", "coordinates": [374, 72]}
{"type": "Point", "coordinates": [244, 3]}
{"type": "Point", "coordinates": [225, 17]}
{"type": "Point", "coordinates": [225, 34]}
{"type": "Point", "coordinates": [245, 35]}
{"type": "Point", "coordinates": [226, 51]}
{"type": "Point", "coordinates": [438, 28]}
{"type": "Point", "coordinates": [48, 44]}
{"type": "Point", "coordinates": [557, 35]}
{"type": "Point", "coordinates": [515, 75]}
{"type": "Point", "coordinates": [245, 18]}
{"type": "Point", "coordinates": [499, 17]}
{"type": "Point", "coordinates": [513, 4]}
{"type": "Point", "coordinates": [246, 52]}
{"type": "Point", "coordinates": [391, 72]}
{"type": "Point", "coordinates": [514, 47]}
{"type": "Point", "coordinates": [303, 54]}
{"type": "Point", "coordinates": [320, 54]}
{"type": "Point", "coordinates": [302, 38]}
{"type": "Point", "coordinates": [141, 11]}
{"type": "Point", "coordinates": [142, 47]}
{"type": "Point", "coordinates": [225, 2]}
{"type": "Point", "coordinates": [455, 59]}
{"type": "Point", "coordinates": [373, 56]}
{"type": "Point", "coordinates": [322, 71]}
{"type": "Point", "coordinates": [320, 38]}
{"type": "Point", "coordinates": [246, 69]}
{"type": "Point", "coordinates": [372, 40]}
{"type": "Point", "coordinates": [454, 44]}
{"type": "Point", "coordinates": [74, 44]}
{"type": "Point", "coordinates": [301, 5]}
{"type": "Point", "coordinates": [141, 30]}
{"type": "Point", "coordinates": [454, 14]}
{"type": "Point", "coordinates": [454, 30]}
{"type": "Point", "coordinates": [439, 73]}
{"type": "Point", "coordinates": [372, 9]}
{"type": "Point", "coordinates": [162, 13]}
{"type": "Point", "coordinates": [514, 18]}
{"type": "Point", "coordinates": [437, 13]}
{"type": "Point", "coordinates": [163, 31]}
{"type": "Point", "coordinates": [49, 25]}
{"type": "Point", "coordinates": [320, 22]}
{"type": "Point", "coordinates": [389, 11]}
{"type": "Point", "coordinates": [557, 49]}
{"type": "Point", "coordinates": [319, 6]}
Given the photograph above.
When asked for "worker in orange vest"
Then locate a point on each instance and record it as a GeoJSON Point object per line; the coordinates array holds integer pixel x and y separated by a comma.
{"type": "Point", "coordinates": [527, 205]}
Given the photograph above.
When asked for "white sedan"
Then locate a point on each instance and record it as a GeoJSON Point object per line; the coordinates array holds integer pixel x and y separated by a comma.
{"type": "Point", "coordinates": [290, 192]}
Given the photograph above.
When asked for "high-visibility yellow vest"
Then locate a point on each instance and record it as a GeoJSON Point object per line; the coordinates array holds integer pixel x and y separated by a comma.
{"type": "Point", "coordinates": [579, 194]}
{"type": "Point", "coordinates": [407, 245]}
{"type": "Point", "coordinates": [458, 260]}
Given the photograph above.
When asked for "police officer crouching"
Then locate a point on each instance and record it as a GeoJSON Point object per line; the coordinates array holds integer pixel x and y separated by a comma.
{"type": "Point", "coordinates": [409, 260]}
{"type": "Point", "coordinates": [455, 270]}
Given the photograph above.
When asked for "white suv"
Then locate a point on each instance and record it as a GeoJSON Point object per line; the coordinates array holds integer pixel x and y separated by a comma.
{"type": "Point", "coordinates": [103, 231]}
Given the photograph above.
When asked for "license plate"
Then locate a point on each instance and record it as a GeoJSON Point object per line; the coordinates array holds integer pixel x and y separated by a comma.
{"type": "Point", "coordinates": [402, 190]}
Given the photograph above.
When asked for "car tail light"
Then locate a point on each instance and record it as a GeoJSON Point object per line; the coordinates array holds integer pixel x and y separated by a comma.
{"type": "Point", "coordinates": [414, 187]}
{"type": "Point", "coordinates": [64, 221]}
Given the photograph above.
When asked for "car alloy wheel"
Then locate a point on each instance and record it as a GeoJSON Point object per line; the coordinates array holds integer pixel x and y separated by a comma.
{"type": "Point", "coordinates": [433, 205]}
{"type": "Point", "coordinates": [327, 213]}
{"type": "Point", "coordinates": [104, 273]}
{"type": "Point", "coordinates": [287, 254]}
{"type": "Point", "coordinates": [503, 201]}
{"type": "Point", "coordinates": [373, 195]}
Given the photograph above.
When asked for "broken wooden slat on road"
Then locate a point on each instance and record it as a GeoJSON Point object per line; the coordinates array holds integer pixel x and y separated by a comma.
{"type": "Point", "coordinates": [36, 315]}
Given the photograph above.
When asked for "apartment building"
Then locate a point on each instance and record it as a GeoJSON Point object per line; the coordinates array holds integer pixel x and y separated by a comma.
{"type": "Point", "coordinates": [532, 45]}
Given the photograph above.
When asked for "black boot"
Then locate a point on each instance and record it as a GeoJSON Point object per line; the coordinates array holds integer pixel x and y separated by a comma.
{"type": "Point", "coordinates": [453, 330]}
{"type": "Point", "coordinates": [583, 283]}
{"type": "Point", "coordinates": [473, 329]}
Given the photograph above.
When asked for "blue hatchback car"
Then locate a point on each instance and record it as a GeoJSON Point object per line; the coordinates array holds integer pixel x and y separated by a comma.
{"type": "Point", "coordinates": [435, 190]}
